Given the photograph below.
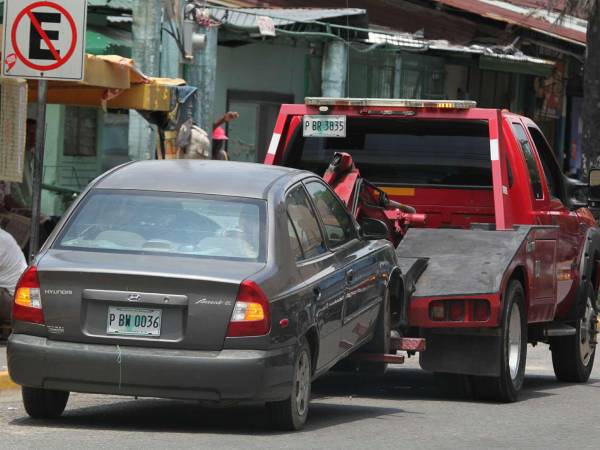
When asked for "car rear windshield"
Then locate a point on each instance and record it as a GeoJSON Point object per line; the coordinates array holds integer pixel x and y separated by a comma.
{"type": "Point", "coordinates": [404, 151]}
{"type": "Point", "coordinates": [167, 223]}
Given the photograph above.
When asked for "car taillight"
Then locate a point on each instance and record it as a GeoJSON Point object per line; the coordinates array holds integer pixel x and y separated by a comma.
{"type": "Point", "coordinates": [27, 306]}
{"type": "Point", "coordinates": [251, 313]}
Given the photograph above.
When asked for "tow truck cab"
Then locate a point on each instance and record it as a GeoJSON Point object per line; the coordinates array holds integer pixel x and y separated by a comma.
{"type": "Point", "coordinates": [498, 210]}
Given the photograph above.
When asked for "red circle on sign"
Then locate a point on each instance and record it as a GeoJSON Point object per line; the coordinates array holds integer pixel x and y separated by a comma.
{"type": "Point", "coordinates": [59, 62]}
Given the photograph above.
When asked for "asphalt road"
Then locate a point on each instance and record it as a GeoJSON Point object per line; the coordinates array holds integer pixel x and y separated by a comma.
{"type": "Point", "coordinates": [402, 411]}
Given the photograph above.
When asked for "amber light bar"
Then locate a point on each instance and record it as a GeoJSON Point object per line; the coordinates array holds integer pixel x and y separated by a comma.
{"type": "Point", "coordinates": [390, 102]}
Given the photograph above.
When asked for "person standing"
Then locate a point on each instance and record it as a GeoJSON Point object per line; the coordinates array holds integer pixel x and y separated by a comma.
{"type": "Point", "coordinates": [12, 266]}
{"type": "Point", "coordinates": [219, 138]}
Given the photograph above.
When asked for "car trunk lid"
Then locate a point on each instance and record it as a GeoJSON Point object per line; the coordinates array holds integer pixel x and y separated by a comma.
{"type": "Point", "coordinates": [194, 298]}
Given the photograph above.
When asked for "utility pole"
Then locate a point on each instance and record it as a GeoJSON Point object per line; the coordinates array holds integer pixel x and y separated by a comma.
{"type": "Point", "coordinates": [202, 73]}
{"type": "Point", "coordinates": [147, 17]}
{"type": "Point", "coordinates": [201, 70]}
{"type": "Point", "coordinates": [334, 70]}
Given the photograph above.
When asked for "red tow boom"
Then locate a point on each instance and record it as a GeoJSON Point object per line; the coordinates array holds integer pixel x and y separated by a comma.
{"type": "Point", "coordinates": [365, 200]}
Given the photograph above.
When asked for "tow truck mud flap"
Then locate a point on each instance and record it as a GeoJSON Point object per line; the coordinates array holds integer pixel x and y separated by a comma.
{"type": "Point", "coordinates": [467, 353]}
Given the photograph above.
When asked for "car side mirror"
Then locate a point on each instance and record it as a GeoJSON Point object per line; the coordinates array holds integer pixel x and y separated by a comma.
{"type": "Point", "coordinates": [373, 229]}
{"type": "Point", "coordinates": [594, 188]}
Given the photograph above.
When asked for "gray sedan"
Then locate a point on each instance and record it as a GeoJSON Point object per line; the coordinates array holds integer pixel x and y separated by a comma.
{"type": "Point", "coordinates": [215, 281]}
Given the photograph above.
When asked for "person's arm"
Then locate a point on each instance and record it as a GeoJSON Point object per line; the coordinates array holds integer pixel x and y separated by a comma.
{"type": "Point", "coordinates": [226, 118]}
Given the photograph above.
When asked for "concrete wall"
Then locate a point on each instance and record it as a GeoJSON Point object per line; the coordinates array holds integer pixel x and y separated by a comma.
{"type": "Point", "coordinates": [261, 67]}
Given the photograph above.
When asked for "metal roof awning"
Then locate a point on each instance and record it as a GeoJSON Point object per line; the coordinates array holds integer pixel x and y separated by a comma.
{"type": "Point", "coordinates": [490, 57]}
{"type": "Point", "coordinates": [542, 20]}
{"type": "Point", "coordinates": [124, 5]}
{"type": "Point", "coordinates": [246, 18]}
{"type": "Point", "coordinates": [100, 41]}
{"type": "Point", "coordinates": [499, 59]}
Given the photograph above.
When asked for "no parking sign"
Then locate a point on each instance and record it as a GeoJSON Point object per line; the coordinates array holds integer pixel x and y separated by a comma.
{"type": "Point", "coordinates": [44, 39]}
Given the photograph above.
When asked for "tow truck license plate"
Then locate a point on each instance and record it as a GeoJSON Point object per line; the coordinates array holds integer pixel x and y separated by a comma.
{"type": "Point", "coordinates": [324, 126]}
{"type": "Point", "coordinates": [133, 321]}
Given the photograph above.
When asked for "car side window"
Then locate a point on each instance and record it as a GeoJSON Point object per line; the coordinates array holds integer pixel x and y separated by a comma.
{"type": "Point", "coordinates": [527, 151]}
{"type": "Point", "coordinates": [294, 241]}
{"type": "Point", "coordinates": [551, 168]}
{"type": "Point", "coordinates": [305, 223]}
{"type": "Point", "coordinates": [338, 224]}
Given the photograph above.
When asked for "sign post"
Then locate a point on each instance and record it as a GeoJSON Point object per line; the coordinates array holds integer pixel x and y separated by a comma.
{"type": "Point", "coordinates": [38, 169]}
{"type": "Point", "coordinates": [43, 40]}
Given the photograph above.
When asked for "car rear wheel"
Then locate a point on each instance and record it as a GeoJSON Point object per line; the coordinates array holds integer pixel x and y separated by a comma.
{"type": "Point", "coordinates": [513, 351]}
{"type": "Point", "coordinates": [380, 344]}
{"type": "Point", "coordinates": [44, 403]}
{"type": "Point", "coordinates": [573, 356]}
{"type": "Point", "coordinates": [291, 414]}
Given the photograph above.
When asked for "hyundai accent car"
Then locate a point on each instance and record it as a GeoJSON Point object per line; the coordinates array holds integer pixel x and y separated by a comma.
{"type": "Point", "coordinates": [207, 280]}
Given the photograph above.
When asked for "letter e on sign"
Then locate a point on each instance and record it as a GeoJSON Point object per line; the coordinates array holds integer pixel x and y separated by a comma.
{"type": "Point", "coordinates": [44, 39]}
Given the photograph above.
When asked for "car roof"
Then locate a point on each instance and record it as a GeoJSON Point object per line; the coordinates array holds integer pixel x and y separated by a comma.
{"type": "Point", "coordinates": [197, 176]}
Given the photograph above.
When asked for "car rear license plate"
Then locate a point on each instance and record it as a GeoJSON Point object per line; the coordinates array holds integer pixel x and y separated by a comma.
{"type": "Point", "coordinates": [324, 126]}
{"type": "Point", "coordinates": [133, 321]}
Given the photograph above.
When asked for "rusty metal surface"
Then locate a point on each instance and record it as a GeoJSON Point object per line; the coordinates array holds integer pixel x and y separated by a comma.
{"type": "Point", "coordinates": [526, 20]}
{"type": "Point", "coordinates": [408, 344]}
{"type": "Point", "coordinates": [377, 357]}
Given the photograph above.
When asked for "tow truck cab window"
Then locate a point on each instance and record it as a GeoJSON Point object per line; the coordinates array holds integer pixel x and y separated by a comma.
{"type": "Point", "coordinates": [551, 168]}
{"type": "Point", "coordinates": [305, 224]}
{"type": "Point", "coordinates": [413, 152]}
{"type": "Point", "coordinates": [338, 225]}
{"type": "Point", "coordinates": [532, 168]}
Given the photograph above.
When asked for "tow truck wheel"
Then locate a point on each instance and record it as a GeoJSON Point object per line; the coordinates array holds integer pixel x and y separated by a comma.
{"type": "Point", "coordinates": [513, 352]}
{"type": "Point", "coordinates": [44, 403]}
{"type": "Point", "coordinates": [291, 414]}
{"type": "Point", "coordinates": [573, 356]}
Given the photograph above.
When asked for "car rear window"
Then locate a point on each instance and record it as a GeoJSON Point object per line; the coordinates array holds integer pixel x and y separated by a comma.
{"type": "Point", "coordinates": [167, 223]}
{"type": "Point", "coordinates": [404, 151]}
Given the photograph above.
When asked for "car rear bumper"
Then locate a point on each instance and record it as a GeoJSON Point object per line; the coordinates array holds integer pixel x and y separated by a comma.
{"type": "Point", "coordinates": [227, 375]}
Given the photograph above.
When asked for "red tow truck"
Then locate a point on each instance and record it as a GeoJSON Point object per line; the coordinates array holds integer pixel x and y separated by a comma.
{"type": "Point", "coordinates": [496, 247]}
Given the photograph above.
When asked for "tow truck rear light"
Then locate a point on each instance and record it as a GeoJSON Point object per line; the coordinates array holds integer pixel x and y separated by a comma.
{"type": "Point", "coordinates": [251, 312]}
{"type": "Point", "coordinates": [481, 310]}
{"type": "Point", "coordinates": [387, 102]}
{"type": "Point", "coordinates": [436, 311]}
{"type": "Point", "coordinates": [456, 311]}
{"type": "Point", "coordinates": [27, 306]}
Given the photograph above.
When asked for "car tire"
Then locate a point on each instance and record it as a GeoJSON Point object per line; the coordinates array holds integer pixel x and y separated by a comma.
{"type": "Point", "coordinates": [380, 344]}
{"type": "Point", "coordinates": [44, 403]}
{"type": "Point", "coordinates": [513, 351]}
{"type": "Point", "coordinates": [573, 356]}
{"type": "Point", "coordinates": [291, 414]}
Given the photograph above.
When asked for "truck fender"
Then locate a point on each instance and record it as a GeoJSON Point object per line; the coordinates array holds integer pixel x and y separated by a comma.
{"type": "Point", "coordinates": [587, 271]}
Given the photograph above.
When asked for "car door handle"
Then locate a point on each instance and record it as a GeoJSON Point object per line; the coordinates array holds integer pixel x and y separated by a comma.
{"type": "Point", "coordinates": [349, 275]}
{"type": "Point", "coordinates": [317, 293]}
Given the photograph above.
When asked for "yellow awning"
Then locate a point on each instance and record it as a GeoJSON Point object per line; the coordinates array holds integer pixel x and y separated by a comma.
{"type": "Point", "coordinates": [112, 82]}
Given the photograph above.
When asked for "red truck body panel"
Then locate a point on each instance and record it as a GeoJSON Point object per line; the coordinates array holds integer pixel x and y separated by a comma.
{"type": "Point", "coordinates": [548, 260]}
